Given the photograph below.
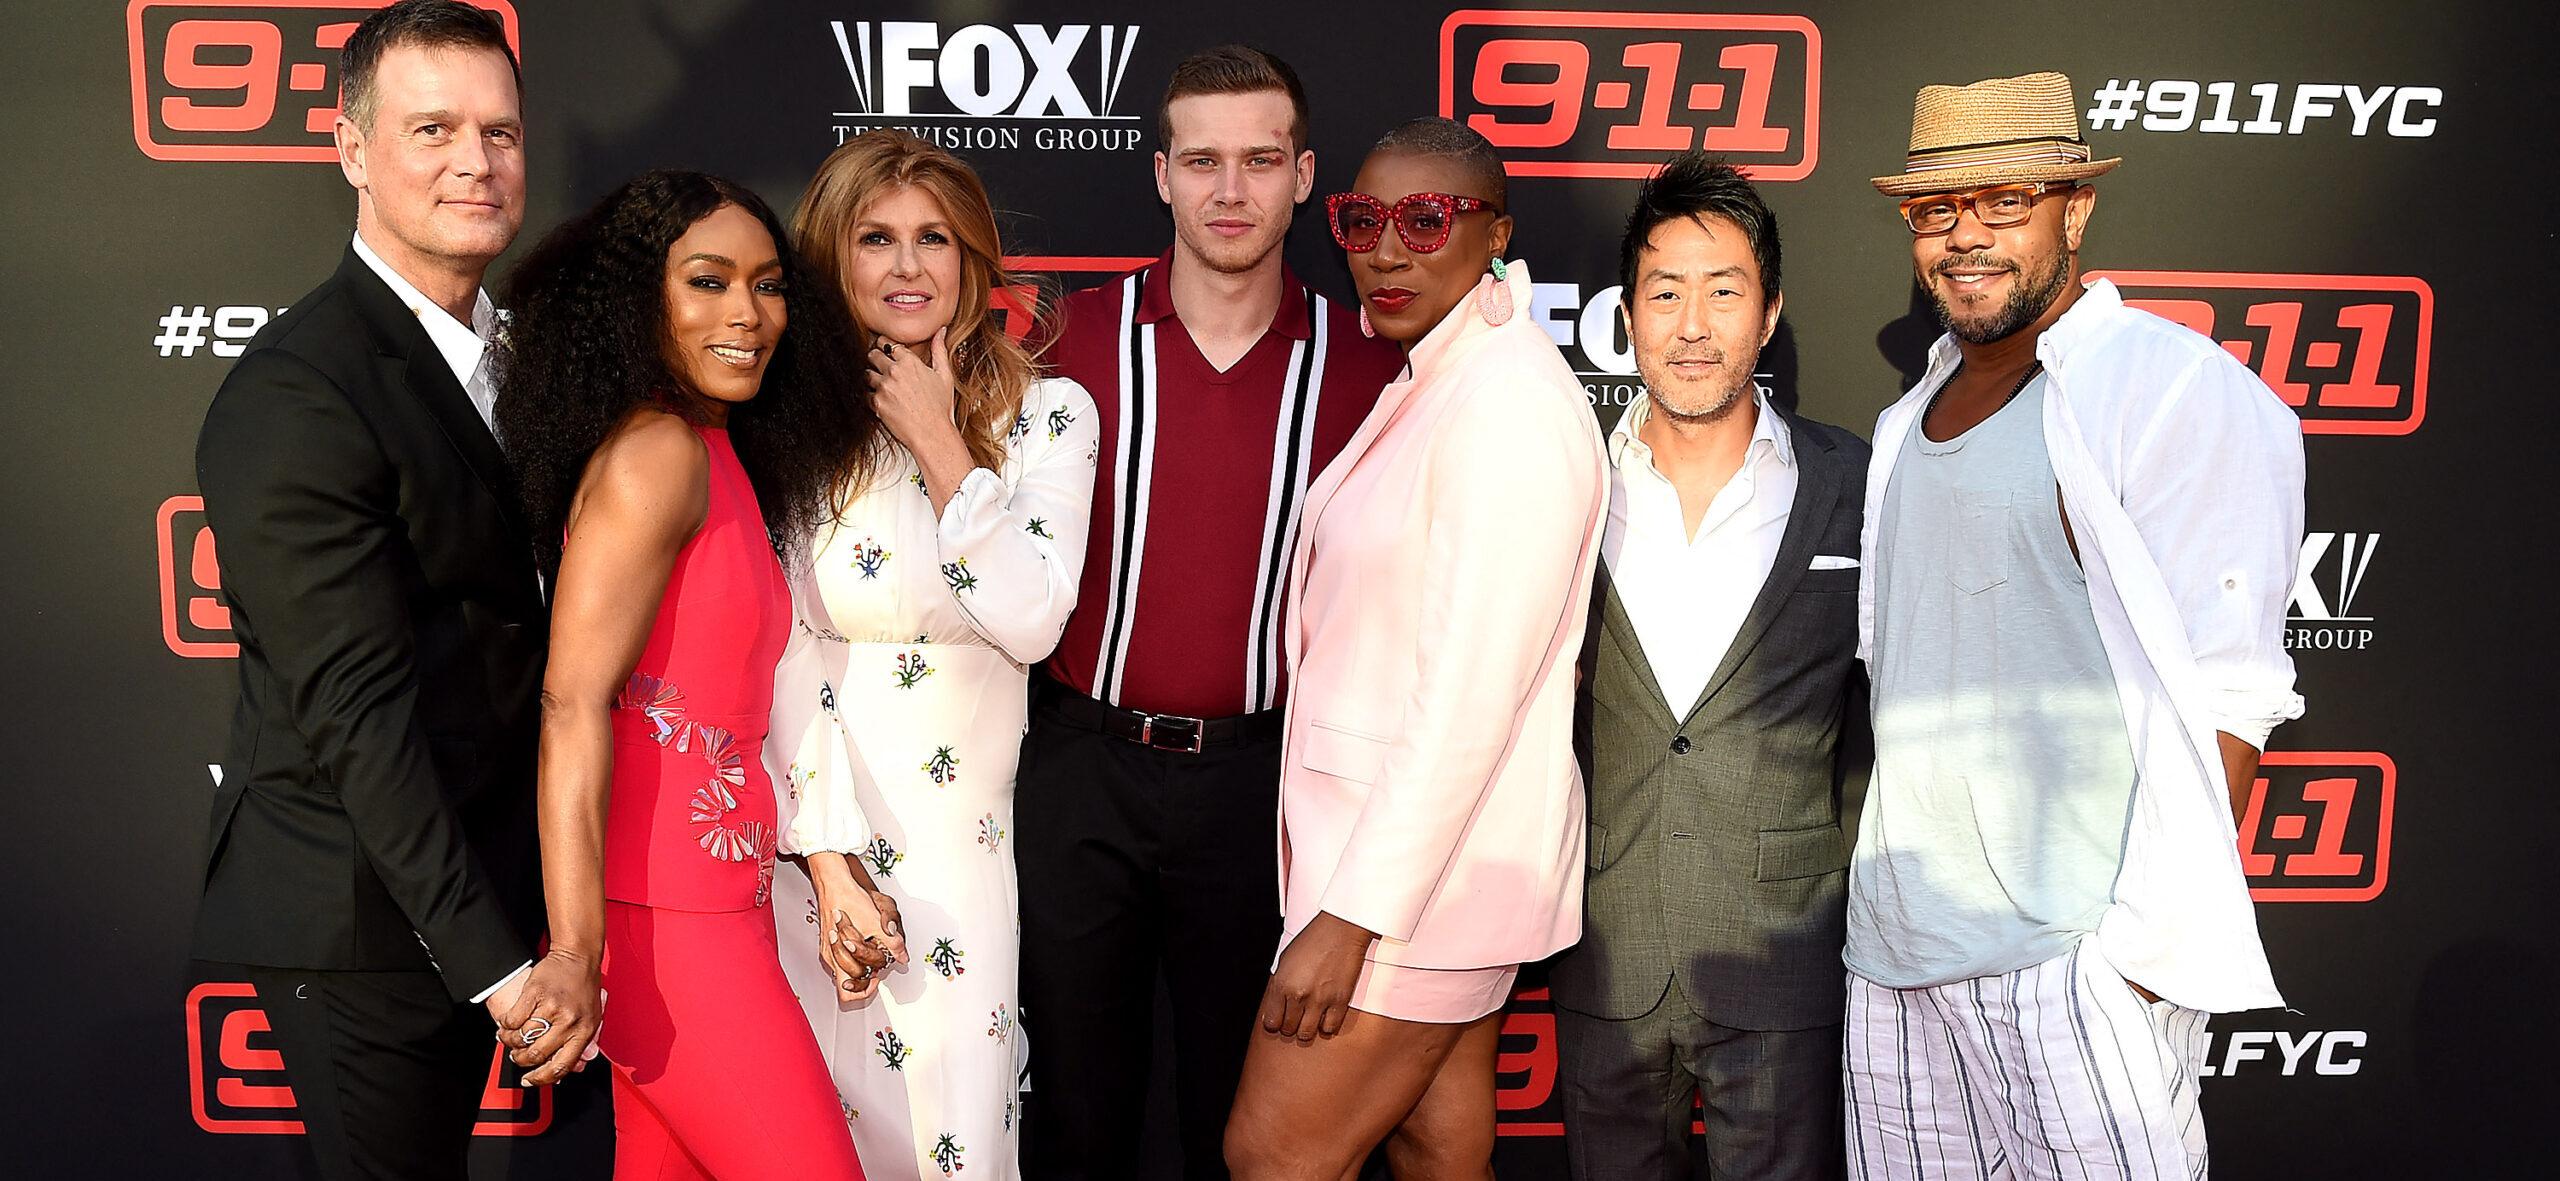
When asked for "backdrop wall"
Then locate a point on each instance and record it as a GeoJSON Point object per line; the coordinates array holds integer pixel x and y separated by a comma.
{"type": "Point", "coordinates": [2348, 195]}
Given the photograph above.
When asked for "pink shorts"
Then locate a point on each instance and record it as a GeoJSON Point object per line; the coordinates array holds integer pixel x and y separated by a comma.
{"type": "Point", "coordinates": [1441, 996]}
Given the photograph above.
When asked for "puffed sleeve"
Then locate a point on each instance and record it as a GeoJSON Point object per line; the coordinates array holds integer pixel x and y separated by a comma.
{"type": "Point", "coordinates": [1011, 544]}
{"type": "Point", "coordinates": [808, 751]}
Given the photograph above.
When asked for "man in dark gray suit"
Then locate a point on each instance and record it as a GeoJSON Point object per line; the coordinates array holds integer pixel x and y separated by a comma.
{"type": "Point", "coordinates": [1717, 678]}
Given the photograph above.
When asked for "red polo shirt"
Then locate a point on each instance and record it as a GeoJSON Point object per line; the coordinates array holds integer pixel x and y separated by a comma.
{"type": "Point", "coordinates": [1198, 486]}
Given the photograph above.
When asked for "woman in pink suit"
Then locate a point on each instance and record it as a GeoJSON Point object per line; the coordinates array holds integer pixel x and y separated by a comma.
{"type": "Point", "coordinates": [672, 398]}
{"type": "Point", "coordinates": [1431, 810]}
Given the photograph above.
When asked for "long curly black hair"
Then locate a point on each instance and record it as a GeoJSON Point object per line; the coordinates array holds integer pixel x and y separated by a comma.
{"type": "Point", "coordinates": [586, 345]}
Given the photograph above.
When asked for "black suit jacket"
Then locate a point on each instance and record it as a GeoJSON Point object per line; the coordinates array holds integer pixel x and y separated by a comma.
{"type": "Point", "coordinates": [376, 804]}
{"type": "Point", "coordinates": [1717, 855]}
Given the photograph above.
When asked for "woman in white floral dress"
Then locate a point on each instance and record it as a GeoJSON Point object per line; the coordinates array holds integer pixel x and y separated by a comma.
{"type": "Point", "coordinates": [900, 709]}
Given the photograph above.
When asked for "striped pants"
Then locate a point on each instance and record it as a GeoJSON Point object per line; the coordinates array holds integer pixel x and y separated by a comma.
{"type": "Point", "coordinates": [2054, 1072]}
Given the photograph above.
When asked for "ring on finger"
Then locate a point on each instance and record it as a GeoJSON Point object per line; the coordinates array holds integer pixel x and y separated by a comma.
{"type": "Point", "coordinates": [535, 1029]}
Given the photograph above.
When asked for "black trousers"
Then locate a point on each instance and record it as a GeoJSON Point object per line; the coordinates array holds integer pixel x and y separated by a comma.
{"type": "Point", "coordinates": [386, 1070]}
{"type": "Point", "coordinates": [1132, 861]}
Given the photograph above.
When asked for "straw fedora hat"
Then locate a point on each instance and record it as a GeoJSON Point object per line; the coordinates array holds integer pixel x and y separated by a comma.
{"type": "Point", "coordinates": [1996, 131]}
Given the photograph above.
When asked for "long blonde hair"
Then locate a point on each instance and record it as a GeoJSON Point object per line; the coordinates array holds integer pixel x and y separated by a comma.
{"type": "Point", "coordinates": [990, 370]}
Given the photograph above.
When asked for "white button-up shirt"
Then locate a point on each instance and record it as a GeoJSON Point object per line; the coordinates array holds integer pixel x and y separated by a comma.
{"type": "Point", "coordinates": [465, 348]}
{"type": "Point", "coordinates": [2182, 475]}
{"type": "Point", "coordinates": [1687, 595]}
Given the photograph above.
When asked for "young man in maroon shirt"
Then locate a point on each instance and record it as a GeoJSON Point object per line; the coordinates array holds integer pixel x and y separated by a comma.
{"type": "Point", "coordinates": [1145, 812]}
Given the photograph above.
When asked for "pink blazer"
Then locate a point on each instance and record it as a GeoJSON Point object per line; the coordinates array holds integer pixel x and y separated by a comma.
{"type": "Point", "coordinates": [1438, 592]}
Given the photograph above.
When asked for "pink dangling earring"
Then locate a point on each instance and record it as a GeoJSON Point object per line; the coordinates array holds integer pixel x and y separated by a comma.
{"type": "Point", "coordinates": [1365, 329]}
{"type": "Point", "coordinates": [1494, 302]}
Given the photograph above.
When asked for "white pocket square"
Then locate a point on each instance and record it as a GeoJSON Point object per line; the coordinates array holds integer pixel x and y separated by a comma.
{"type": "Point", "coordinates": [1832, 562]}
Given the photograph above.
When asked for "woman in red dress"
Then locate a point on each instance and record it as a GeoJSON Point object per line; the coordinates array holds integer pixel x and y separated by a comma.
{"type": "Point", "coordinates": [665, 426]}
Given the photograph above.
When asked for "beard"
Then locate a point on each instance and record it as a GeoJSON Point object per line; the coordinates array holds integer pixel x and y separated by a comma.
{"type": "Point", "coordinates": [1686, 402]}
{"type": "Point", "coordinates": [2029, 296]}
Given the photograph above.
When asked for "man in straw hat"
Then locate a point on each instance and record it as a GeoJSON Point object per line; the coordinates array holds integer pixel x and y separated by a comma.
{"type": "Point", "coordinates": [2080, 536]}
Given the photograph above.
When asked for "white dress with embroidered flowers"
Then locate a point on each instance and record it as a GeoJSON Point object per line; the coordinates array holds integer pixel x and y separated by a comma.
{"type": "Point", "coordinates": [898, 718]}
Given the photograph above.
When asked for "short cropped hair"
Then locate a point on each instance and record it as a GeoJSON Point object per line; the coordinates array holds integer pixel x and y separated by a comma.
{"type": "Point", "coordinates": [431, 24]}
{"type": "Point", "coordinates": [1695, 185]}
{"type": "Point", "coordinates": [1432, 135]}
{"type": "Point", "coordinates": [1234, 69]}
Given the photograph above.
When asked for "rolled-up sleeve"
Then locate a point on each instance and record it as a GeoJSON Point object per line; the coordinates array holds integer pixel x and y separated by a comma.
{"type": "Point", "coordinates": [2215, 488]}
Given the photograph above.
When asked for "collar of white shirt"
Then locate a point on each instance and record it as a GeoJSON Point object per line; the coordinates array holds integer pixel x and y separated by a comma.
{"type": "Point", "coordinates": [462, 346]}
{"type": "Point", "coordinates": [1769, 436]}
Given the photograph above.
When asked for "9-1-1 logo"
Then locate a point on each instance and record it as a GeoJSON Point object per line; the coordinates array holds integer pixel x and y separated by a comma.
{"type": "Point", "coordinates": [244, 79]}
{"type": "Point", "coordinates": [2318, 826]}
{"type": "Point", "coordinates": [2349, 353]}
{"type": "Point", "coordinates": [236, 1080]}
{"type": "Point", "coordinates": [1609, 94]}
{"type": "Point", "coordinates": [1018, 306]}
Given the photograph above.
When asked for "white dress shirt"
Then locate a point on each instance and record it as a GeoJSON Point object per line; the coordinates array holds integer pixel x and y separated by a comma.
{"type": "Point", "coordinates": [466, 352]}
{"type": "Point", "coordinates": [1687, 595]}
{"type": "Point", "coordinates": [2182, 475]}
{"type": "Point", "coordinates": [465, 347]}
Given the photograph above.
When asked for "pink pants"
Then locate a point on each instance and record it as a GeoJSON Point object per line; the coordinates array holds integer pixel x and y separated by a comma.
{"type": "Point", "coordinates": [715, 1072]}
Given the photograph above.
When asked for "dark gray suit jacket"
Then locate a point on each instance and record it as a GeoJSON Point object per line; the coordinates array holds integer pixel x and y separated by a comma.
{"type": "Point", "coordinates": [1716, 848]}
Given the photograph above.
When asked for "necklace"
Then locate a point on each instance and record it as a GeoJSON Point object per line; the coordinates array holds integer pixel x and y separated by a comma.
{"type": "Point", "coordinates": [2033, 368]}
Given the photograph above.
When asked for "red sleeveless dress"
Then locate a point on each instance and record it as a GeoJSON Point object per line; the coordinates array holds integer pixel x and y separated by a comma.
{"type": "Point", "coordinates": [691, 826]}
{"type": "Point", "coordinates": [715, 1071]}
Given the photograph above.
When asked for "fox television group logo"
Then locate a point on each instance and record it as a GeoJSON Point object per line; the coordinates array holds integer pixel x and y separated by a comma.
{"type": "Point", "coordinates": [990, 87]}
{"type": "Point", "coordinates": [2348, 352]}
{"type": "Point", "coordinates": [1589, 326]}
{"type": "Point", "coordinates": [242, 80]}
{"type": "Point", "coordinates": [2324, 615]}
{"type": "Point", "coordinates": [236, 1082]}
{"type": "Point", "coordinates": [1590, 330]}
{"type": "Point", "coordinates": [1609, 94]}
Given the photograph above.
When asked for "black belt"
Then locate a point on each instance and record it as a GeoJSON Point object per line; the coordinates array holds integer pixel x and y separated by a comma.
{"type": "Point", "coordinates": [1172, 732]}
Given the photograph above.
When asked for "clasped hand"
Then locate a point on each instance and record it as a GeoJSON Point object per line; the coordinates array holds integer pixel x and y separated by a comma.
{"type": "Point", "coordinates": [551, 1017]}
{"type": "Point", "coordinates": [859, 932]}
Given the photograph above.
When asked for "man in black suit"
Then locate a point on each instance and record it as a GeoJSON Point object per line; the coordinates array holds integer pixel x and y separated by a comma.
{"type": "Point", "coordinates": [372, 867]}
{"type": "Point", "coordinates": [1718, 673]}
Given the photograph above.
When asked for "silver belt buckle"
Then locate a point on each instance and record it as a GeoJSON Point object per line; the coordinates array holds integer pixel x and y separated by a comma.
{"type": "Point", "coordinates": [1184, 732]}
